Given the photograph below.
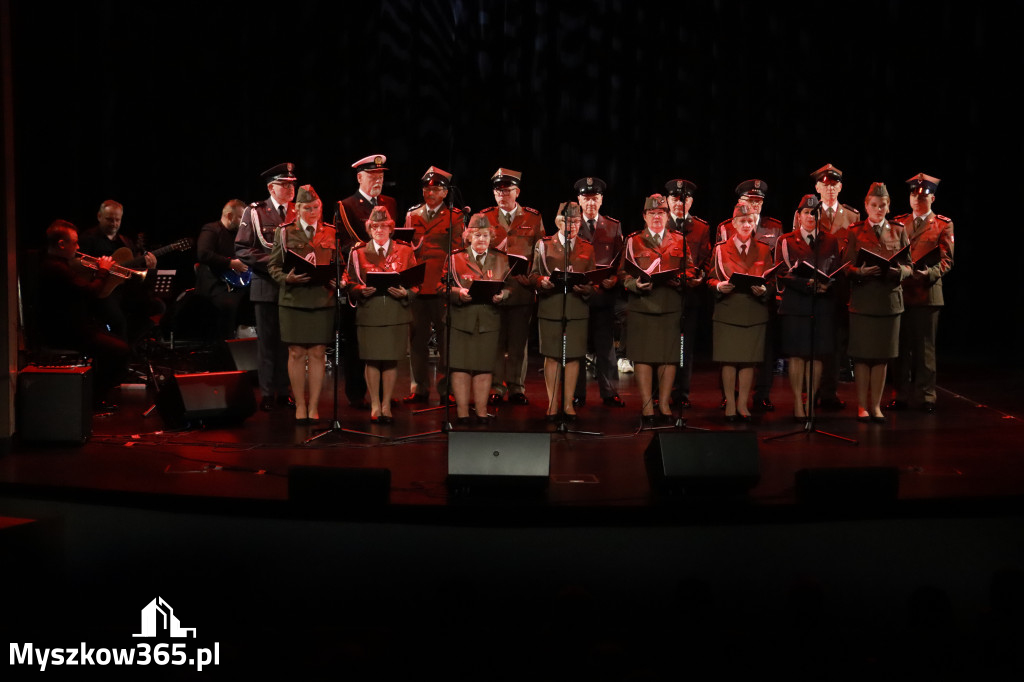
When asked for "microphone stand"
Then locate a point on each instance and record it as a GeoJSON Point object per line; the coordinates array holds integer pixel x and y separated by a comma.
{"type": "Point", "coordinates": [335, 426]}
{"type": "Point", "coordinates": [809, 426]}
{"type": "Point", "coordinates": [446, 424]}
{"type": "Point", "coordinates": [560, 373]}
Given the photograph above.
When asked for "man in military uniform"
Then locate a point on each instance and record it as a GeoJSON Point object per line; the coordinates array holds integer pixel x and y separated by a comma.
{"type": "Point", "coordinates": [438, 229]}
{"type": "Point", "coordinates": [350, 216]}
{"type": "Point", "coordinates": [931, 248]}
{"type": "Point", "coordinates": [697, 234]}
{"type": "Point", "coordinates": [605, 235]}
{"type": "Point", "coordinates": [253, 241]}
{"type": "Point", "coordinates": [768, 230]}
{"type": "Point", "coordinates": [516, 230]}
{"type": "Point", "coordinates": [835, 218]}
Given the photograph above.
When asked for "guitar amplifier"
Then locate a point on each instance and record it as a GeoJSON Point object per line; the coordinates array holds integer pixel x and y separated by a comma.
{"type": "Point", "coordinates": [54, 404]}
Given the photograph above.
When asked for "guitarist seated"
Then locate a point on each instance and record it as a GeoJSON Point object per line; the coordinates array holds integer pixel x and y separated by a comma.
{"type": "Point", "coordinates": [129, 310]}
{"type": "Point", "coordinates": [222, 278]}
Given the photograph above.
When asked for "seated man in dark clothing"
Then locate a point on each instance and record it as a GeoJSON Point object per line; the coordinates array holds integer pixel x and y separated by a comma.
{"type": "Point", "coordinates": [65, 294]}
{"type": "Point", "coordinates": [215, 251]}
{"type": "Point", "coordinates": [129, 310]}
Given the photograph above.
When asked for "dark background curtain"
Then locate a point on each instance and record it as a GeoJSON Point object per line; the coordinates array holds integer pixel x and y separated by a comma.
{"type": "Point", "coordinates": [174, 108]}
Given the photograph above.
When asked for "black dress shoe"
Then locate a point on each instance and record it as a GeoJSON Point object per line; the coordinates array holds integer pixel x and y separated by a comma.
{"type": "Point", "coordinates": [649, 420]}
{"type": "Point", "coordinates": [744, 418]}
{"type": "Point", "coordinates": [731, 418]}
{"type": "Point", "coordinates": [384, 419]}
{"type": "Point", "coordinates": [830, 403]}
{"type": "Point", "coordinates": [763, 404]}
{"type": "Point", "coordinates": [519, 399]}
{"type": "Point", "coordinates": [414, 398]}
{"type": "Point", "coordinates": [568, 418]}
{"type": "Point", "coordinates": [579, 402]}
{"type": "Point", "coordinates": [267, 404]}
{"type": "Point", "coordinates": [485, 419]}
{"type": "Point", "coordinates": [465, 421]}
{"type": "Point", "coordinates": [286, 401]}
{"type": "Point", "coordinates": [551, 418]}
{"type": "Point", "coordinates": [495, 399]}
{"type": "Point", "coordinates": [896, 404]}
{"type": "Point", "coordinates": [878, 420]}
{"type": "Point", "coordinates": [614, 401]}
{"type": "Point", "coordinates": [666, 419]}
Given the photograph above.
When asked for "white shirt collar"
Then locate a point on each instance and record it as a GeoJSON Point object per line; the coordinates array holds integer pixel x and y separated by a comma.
{"type": "Point", "coordinates": [739, 244]}
{"type": "Point", "coordinates": [377, 247]}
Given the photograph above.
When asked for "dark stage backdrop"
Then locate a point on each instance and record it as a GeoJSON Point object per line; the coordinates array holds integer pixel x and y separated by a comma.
{"type": "Point", "coordinates": [174, 108]}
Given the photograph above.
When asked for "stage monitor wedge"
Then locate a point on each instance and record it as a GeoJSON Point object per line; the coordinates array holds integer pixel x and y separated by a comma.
{"type": "Point", "coordinates": [703, 464]}
{"type": "Point", "coordinates": [209, 397]}
{"type": "Point", "coordinates": [498, 462]}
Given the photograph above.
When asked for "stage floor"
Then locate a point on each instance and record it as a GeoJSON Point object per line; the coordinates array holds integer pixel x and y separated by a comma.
{"type": "Point", "coordinates": [968, 450]}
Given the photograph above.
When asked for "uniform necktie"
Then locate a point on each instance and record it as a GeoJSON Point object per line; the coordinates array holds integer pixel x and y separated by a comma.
{"type": "Point", "coordinates": [480, 260]}
{"type": "Point", "coordinates": [309, 232]}
{"type": "Point", "coordinates": [430, 215]}
{"type": "Point", "coordinates": [917, 223]}
{"type": "Point", "coordinates": [743, 249]}
{"type": "Point", "coordinates": [830, 213]}
{"type": "Point", "coordinates": [679, 224]}
{"type": "Point", "coordinates": [810, 240]}
{"type": "Point", "coordinates": [373, 201]}
{"type": "Point", "coordinates": [878, 230]}
{"type": "Point", "coordinates": [590, 224]}
{"type": "Point", "coordinates": [380, 251]}
{"type": "Point", "coordinates": [280, 209]}
{"type": "Point", "coordinates": [657, 240]}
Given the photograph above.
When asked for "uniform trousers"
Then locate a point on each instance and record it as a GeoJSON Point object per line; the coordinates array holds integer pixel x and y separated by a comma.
{"type": "Point", "coordinates": [271, 353]}
{"type": "Point", "coordinates": [915, 374]}
{"type": "Point", "coordinates": [510, 373]}
{"type": "Point", "coordinates": [601, 334]}
{"type": "Point", "coordinates": [427, 310]}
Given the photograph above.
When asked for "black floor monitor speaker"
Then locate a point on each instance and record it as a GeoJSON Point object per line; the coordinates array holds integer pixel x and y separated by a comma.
{"type": "Point", "coordinates": [493, 462]}
{"type": "Point", "coordinates": [221, 397]}
{"type": "Point", "coordinates": [713, 463]}
{"type": "Point", "coordinates": [54, 404]}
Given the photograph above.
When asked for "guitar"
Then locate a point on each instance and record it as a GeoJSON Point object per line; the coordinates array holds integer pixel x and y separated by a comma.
{"type": "Point", "coordinates": [126, 258]}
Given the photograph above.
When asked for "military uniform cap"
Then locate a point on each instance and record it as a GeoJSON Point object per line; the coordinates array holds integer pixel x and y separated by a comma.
{"type": "Point", "coordinates": [741, 209]}
{"type": "Point", "coordinates": [809, 201]}
{"type": "Point", "coordinates": [878, 189]}
{"type": "Point", "coordinates": [569, 209]}
{"type": "Point", "coordinates": [478, 221]}
{"type": "Point", "coordinates": [380, 214]}
{"type": "Point", "coordinates": [590, 185]}
{"type": "Point", "coordinates": [656, 202]}
{"type": "Point", "coordinates": [923, 184]}
{"type": "Point", "coordinates": [828, 174]}
{"type": "Point", "coordinates": [306, 195]}
{"type": "Point", "coordinates": [282, 172]}
{"type": "Point", "coordinates": [680, 188]}
{"type": "Point", "coordinates": [504, 177]}
{"type": "Point", "coordinates": [373, 162]}
{"type": "Point", "coordinates": [436, 176]}
{"type": "Point", "coordinates": [752, 188]}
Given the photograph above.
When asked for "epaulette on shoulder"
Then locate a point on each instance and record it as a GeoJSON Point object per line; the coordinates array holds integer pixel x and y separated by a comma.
{"type": "Point", "coordinates": [612, 220]}
{"type": "Point", "coordinates": [256, 204]}
{"type": "Point", "coordinates": [895, 221]}
{"type": "Point", "coordinates": [531, 210]}
{"type": "Point", "coordinates": [288, 224]}
{"type": "Point", "coordinates": [851, 209]}
{"type": "Point", "coordinates": [330, 225]}
{"type": "Point", "coordinates": [943, 218]}
{"type": "Point", "coordinates": [634, 234]}
{"type": "Point", "coordinates": [719, 243]}
{"type": "Point", "coordinates": [768, 220]}
{"type": "Point", "coordinates": [724, 223]}
{"type": "Point", "coordinates": [403, 243]}
{"type": "Point", "coordinates": [456, 209]}
{"type": "Point", "coordinates": [358, 245]}
{"type": "Point", "coordinates": [497, 250]}
{"type": "Point", "coordinates": [698, 220]}
{"type": "Point", "coordinates": [492, 209]}
{"type": "Point", "coordinates": [413, 208]}
{"type": "Point", "coordinates": [903, 217]}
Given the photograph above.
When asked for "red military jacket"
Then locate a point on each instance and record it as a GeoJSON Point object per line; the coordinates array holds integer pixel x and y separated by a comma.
{"type": "Point", "coordinates": [431, 240]}
{"type": "Point", "coordinates": [518, 238]}
{"type": "Point", "coordinates": [935, 231]}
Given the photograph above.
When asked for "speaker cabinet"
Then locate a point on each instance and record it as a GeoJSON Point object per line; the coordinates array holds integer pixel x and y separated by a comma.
{"type": "Point", "coordinates": [716, 463]}
{"type": "Point", "coordinates": [210, 397]}
{"type": "Point", "coordinates": [498, 462]}
{"type": "Point", "coordinates": [243, 354]}
{"type": "Point", "coordinates": [55, 404]}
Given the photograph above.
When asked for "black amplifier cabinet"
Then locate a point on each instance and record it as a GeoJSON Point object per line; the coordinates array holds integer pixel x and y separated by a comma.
{"type": "Point", "coordinates": [54, 404]}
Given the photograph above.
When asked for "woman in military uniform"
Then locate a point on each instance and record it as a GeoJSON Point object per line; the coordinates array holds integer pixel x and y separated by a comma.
{"type": "Point", "coordinates": [804, 297]}
{"type": "Point", "coordinates": [549, 255]}
{"type": "Point", "coordinates": [654, 309]}
{"type": "Point", "coordinates": [876, 301]}
{"type": "Point", "coordinates": [382, 319]}
{"type": "Point", "coordinates": [740, 320]}
{"type": "Point", "coordinates": [306, 310]}
{"type": "Point", "coordinates": [474, 326]}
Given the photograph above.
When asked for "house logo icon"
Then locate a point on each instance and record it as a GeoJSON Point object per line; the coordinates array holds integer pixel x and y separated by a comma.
{"type": "Point", "coordinates": [158, 620]}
